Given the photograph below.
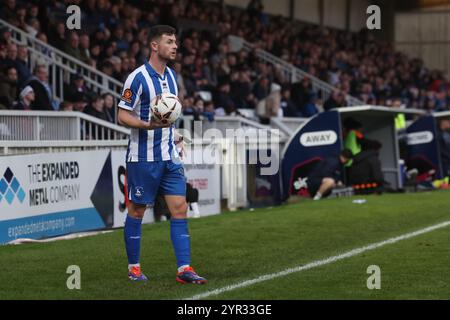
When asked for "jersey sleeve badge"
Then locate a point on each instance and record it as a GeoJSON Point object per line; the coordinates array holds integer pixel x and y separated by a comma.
{"type": "Point", "coordinates": [127, 95]}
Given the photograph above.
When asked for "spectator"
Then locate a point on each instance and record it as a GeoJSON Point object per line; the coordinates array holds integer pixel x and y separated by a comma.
{"type": "Point", "coordinates": [22, 64]}
{"type": "Point", "coordinates": [188, 105]}
{"type": "Point", "coordinates": [209, 111]}
{"type": "Point", "coordinates": [84, 48]}
{"type": "Point", "coordinates": [11, 57]}
{"type": "Point", "coordinates": [241, 90]}
{"type": "Point", "coordinates": [97, 108]}
{"type": "Point", "coordinates": [58, 37]}
{"type": "Point", "coordinates": [354, 62]}
{"type": "Point", "coordinates": [286, 104]}
{"type": "Point", "coordinates": [26, 99]}
{"type": "Point", "coordinates": [117, 68]}
{"type": "Point", "coordinates": [119, 39]}
{"type": "Point", "coordinates": [109, 106]}
{"type": "Point", "coordinates": [8, 10]}
{"type": "Point", "coordinates": [41, 88]}
{"type": "Point", "coordinates": [79, 101]}
{"type": "Point", "coordinates": [42, 37]}
{"type": "Point", "coordinates": [3, 55]}
{"type": "Point", "coordinates": [33, 11]}
{"type": "Point", "coordinates": [309, 109]}
{"type": "Point", "coordinates": [301, 94]}
{"type": "Point", "coordinates": [196, 109]}
{"type": "Point", "coordinates": [77, 85]}
{"type": "Point", "coordinates": [94, 52]}
{"type": "Point", "coordinates": [262, 88]}
{"type": "Point", "coordinates": [33, 27]}
{"type": "Point", "coordinates": [222, 99]}
{"type": "Point", "coordinates": [107, 68]}
{"type": "Point", "coordinates": [336, 100]}
{"type": "Point", "coordinates": [19, 19]}
{"type": "Point", "coordinates": [73, 46]}
{"type": "Point", "coordinates": [8, 88]}
{"type": "Point", "coordinates": [66, 106]}
{"type": "Point", "coordinates": [180, 80]}
{"type": "Point", "coordinates": [5, 35]}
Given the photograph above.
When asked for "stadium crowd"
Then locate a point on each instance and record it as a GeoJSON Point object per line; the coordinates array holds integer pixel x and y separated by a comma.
{"type": "Point", "coordinates": [213, 79]}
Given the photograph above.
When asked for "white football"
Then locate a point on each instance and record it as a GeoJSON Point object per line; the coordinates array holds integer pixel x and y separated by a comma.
{"type": "Point", "coordinates": [166, 107]}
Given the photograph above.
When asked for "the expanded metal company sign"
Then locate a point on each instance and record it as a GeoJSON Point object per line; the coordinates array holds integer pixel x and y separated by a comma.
{"type": "Point", "coordinates": [45, 195]}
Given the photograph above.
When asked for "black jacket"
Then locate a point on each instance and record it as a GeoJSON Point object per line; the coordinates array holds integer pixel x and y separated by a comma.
{"type": "Point", "coordinates": [366, 168]}
{"type": "Point", "coordinates": [327, 168]}
{"type": "Point", "coordinates": [42, 101]}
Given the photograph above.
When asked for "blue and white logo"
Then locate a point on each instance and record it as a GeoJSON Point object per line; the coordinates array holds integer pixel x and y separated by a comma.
{"type": "Point", "coordinates": [139, 192]}
{"type": "Point", "coordinates": [10, 188]}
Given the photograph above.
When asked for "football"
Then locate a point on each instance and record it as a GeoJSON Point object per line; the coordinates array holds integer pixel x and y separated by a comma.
{"type": "Point", "coordinates": [166, 108]}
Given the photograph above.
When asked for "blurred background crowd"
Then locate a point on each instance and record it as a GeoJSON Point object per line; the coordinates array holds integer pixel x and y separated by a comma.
{"type": "Point", "coordinates": [213, 80]}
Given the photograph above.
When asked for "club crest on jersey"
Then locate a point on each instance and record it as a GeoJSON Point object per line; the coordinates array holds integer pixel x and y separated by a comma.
{"type": "Point", "coordinates": [127, 95]}
{"type": "Point", "coordinates": [139, 192]}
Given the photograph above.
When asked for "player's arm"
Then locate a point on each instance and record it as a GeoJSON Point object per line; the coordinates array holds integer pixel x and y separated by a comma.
{"type": "Point", "coordinates": [130, 98]}
{"type": "Point", "coordinates": [129, 119]}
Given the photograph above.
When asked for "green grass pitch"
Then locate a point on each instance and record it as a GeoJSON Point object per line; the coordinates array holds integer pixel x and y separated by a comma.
{"type": "Point", "coordinates": [233, 247]}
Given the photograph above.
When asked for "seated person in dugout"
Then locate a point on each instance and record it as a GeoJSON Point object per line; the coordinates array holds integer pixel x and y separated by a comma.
{"type": "Point", "coordinates": [325, 175]}
{"type": "Point", "coordinates": [352, 136]}
{"type": "Point", "coordinates": [444, 145]}
{"type": "Point", "coordinates": [366, 166]}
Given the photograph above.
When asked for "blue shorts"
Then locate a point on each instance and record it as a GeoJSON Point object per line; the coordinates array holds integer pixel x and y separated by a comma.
{"type": "Point", "coordinates": [148, 179]}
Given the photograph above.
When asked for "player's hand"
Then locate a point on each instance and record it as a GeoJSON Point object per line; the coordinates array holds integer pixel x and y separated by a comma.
{"type": "Point", "coordinates": [155, 123]}
{"type": "Point", "coordinates": [182, 151]}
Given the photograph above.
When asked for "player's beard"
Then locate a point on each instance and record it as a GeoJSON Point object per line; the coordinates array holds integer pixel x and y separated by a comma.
{"type": "Point", "coordinates": [166, 58]}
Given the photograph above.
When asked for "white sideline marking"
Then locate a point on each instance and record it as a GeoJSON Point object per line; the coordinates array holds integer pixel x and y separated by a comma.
{"type": "Point", "coordinates": [318, 263]}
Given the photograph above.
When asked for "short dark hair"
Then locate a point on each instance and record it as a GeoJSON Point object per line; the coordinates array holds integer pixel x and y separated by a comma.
{"type": "Point", "coordinates": [158, 30]}
{"type": "Point", "coordinates": [104, 95]}
{"type": "Point", "coordinates": [94, 97]}
{"type": "Point", "coordinates": [9, 68]}
{"type": "Point", "coordinates": [65, 104]}
{"type": "Point", "coordinates": [347, 154]}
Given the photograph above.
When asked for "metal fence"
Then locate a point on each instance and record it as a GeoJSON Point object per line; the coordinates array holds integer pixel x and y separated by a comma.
{"type": "Point", "coordinates": [56, 126]}
{"type": "Point", "coordinates": [291, 72]}
{"type": "Point", "coordinates": [8, 148]}
{"type": "Point", "coordinates": [50, 128]}
{"type": "Point", "coordinates": [234, 123]}
{"type": "Point", "coordinates": [61, 66]}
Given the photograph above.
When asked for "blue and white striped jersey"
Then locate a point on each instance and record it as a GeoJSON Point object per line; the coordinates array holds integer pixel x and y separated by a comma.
{"type": "Point", "coordinates": [141, 86]}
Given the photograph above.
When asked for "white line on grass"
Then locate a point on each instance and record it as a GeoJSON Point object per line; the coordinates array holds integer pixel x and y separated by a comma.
{"type": "Point", "coordinates": [318, 263]}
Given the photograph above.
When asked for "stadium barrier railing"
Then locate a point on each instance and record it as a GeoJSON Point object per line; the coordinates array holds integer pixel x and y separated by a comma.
{"type": "Point", "coordinates": [289, 71]}
{"type": "Point", "coordinates": [17, 125]}
{"type": "Point", "coordinates": [62, 66]}
{"type": "Point", "coordinates": [32, 132]}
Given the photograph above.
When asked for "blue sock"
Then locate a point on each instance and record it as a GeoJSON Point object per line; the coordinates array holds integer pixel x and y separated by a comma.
{"type": "Point", "coordinates": [132, 235]}
{"type": "Point", "coordinates": [181, 242]}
